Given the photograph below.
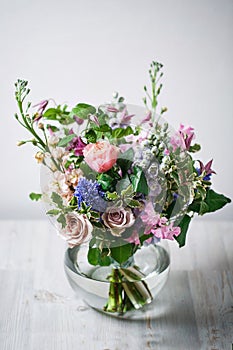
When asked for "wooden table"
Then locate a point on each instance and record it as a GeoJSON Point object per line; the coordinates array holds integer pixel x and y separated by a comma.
{"type": "Point", "coordinates": [38, 310]}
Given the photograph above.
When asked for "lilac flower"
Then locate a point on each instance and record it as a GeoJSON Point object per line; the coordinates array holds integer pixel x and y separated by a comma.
{"type": "Point", "coordinates": [91, 193]}
{"type": "Point", "coordinates": [183, 138]}
{"type": "Point", "coordinates": [147, 118]}
{"type": "Point", "coordinates": [41, 107]}
{"type": "Point", "coordinates": [125, 117]}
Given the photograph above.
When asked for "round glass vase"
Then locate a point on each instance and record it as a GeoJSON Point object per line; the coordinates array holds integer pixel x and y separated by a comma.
{"type": "Point", "coordinates": [126, 290]}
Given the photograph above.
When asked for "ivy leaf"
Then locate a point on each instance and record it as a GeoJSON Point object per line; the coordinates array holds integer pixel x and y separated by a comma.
{"type": "Point", "coordinates": [184, 225]}
{"type": "Point", "coordinates": [133, 203]}
{"type": "Point", "coordinates": [83, 110]}
{"type": "Point", "coordinates": [53, 212]}
{"type": "Point", "coordinates": [122, 252]}
{"type": "Point", "coordinates": [35, 196]}
{"type": "Point", "coordinates": [112, 196]}
{"type": "Point", "coordinates": [215, 201]}
{"type": "Point", "coordinates": [64, 142]}
{"type": "Point", "coordinates": [57, 200]}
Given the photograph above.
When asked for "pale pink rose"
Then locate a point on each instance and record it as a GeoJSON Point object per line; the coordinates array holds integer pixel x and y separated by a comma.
{"type": "Point", "coordinates": [78, 229]}
{"type": "Point", "coordinates": [118, 219]}
{"type": "Point", "coordinates": [100, 156]}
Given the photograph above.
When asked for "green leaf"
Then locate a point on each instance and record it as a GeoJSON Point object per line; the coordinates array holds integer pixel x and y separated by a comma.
{"type": "Point", "coordinates": [91, 136]}
{"type": "Point", "coordinates": [93, 256]}
{"type": "Point", "coordinates": [57, 200]}
{"type": "Point", "coordinates": [112, 195]}
{"type": "Point", "coordinates": [97, 257]}
{"type": "Point", "coordinates": [104, 128]}
{"type": "Point", "coordinates": [53, 212]}
{"type": "Point", "coordinates": [123, 184]}
{"type": "Point", "coordinates": [215, 201]}
{"type": "Point", "coordinates": [194, 148]}
{"type": "Point", "coordinates": [125, 160]}
{"type": "Point", "coordinates": [212, 202]}
{"type": "Point", "coordinates": [122, 252]}
{"type": "Point", "coordinates": [83, 110]}
{"type": "Point", "coordinates": [35, 196]}
{"type": "Point", "coordinates": [64, 142]}
{"type": "Point", "coordinates": [133, 203]}
{"type": "Point", "coordinates": [128, 191]}
{"type": "Point", "coordinates": [105, 181]}
{"type": "Point", "coordinates": [184, 225]}
{"type": "Point", "coordinates": [62, 220]}
{"type": "Point", "coordinates": [121, 132]}
{"type": "Point", "coordinates": [204, 208]}
{"type": "Point", "coordinates": [139, 182]}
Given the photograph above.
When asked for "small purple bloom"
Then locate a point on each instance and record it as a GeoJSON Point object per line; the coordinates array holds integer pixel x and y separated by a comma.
{"type": "Point", "coordinates": [77, 145]}
{"type": "Point", "coordinates": [112, 109]}
{"type": "Point", "coordinates": [205, 169]}
{"type": "Point", "coordinates": [125, 117]}
{"type": "Point", "coordinates": [78, 120]}
{"type": "Point", "coordinates": [41, 107]}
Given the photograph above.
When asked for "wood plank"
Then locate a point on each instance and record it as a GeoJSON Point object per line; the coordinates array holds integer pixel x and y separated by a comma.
{"type": "Point", "coordinates": [15, 310]}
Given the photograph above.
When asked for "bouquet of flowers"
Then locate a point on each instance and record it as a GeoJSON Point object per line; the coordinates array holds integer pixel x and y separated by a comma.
{"type": "Point", "coordinates": [118, 178]}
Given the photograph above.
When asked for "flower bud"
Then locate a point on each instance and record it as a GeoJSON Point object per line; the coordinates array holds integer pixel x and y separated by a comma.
{"type": "Point", "coordinates": [39, 156]}
{"type": "Point", "coordinates": [20, 143]}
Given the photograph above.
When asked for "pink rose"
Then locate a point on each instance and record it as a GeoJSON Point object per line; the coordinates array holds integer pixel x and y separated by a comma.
{"type": "Point", "coordinates": [100, 156]}
{"type": "Point", "coordinates": [78, 229]}
{"type": "Point", "coordinates": [118, 219]}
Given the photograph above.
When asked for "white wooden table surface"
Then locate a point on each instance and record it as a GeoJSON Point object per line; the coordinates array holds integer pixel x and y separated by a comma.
{"type": "Point", "coordinates": [38, 310]}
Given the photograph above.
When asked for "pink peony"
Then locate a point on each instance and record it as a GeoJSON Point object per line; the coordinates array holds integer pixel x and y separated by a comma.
{"type": "Point", "coordinates": [100, 156]}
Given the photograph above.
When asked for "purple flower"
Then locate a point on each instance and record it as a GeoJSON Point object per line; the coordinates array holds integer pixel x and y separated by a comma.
{"type": "Point", "coordinates": [41, 107]}
{"type": "Point", "coordinates": [91, 193]}
{"type": "Point", "coordinates": [205, 170]}
{"type": "Point", "coordinates": [78, 120]}
{"type": "Point", "coordinates": [77, 145]}
{"type": "Point", "coordinates": [125, 117]}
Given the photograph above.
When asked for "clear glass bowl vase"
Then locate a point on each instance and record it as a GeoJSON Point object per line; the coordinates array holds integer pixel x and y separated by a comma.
{"type": "Point", "coordinates": [119, 290]}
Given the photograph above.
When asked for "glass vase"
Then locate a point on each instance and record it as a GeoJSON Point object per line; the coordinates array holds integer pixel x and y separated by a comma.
{"type": "Point", "coordinates": [119, 290]}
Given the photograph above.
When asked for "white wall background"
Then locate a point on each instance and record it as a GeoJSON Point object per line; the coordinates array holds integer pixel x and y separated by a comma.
{"type": "Point", "coordinates": [82, 51]}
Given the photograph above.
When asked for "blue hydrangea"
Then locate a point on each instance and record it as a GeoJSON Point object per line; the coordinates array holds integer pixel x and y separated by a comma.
{"type": "Point", "coordinates": [91, 193]}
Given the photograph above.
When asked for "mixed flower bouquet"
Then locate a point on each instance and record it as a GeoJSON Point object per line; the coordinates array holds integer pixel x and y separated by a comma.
{"type": "Point", "coordinates": [119, 178]}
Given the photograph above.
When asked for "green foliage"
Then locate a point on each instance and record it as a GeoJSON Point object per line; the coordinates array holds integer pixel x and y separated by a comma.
{"type": "Point", "coordinates": [91, 136]}
{"type": "Point", "coordinates": [65, 140]}
{"type": "Point", "coordinates": [212, 202]}
{"type": "Point", "coordinates": [98, 257]}
{"type": "Point", "coordinates": [53, 212]}
{"type": "Point", "coordinates": [57, 200]}
{"type": "Point", "coordinates": [35, 196]}
{"type": "Point", "coordinates": [138, 180]}
{"type": "Point", "coordinates": [62, 220]}
{"type": "Point", "coordinates": [59, 114]}
{"type": "Point", "coordinates": [195, 148]}
{"type": "Point", "coordinates": [122, 252]}
{"type": "Point", "coordinates": [125, 161]}
{"type": "Point", "coordinates": [184, 225]}
{"type": "Point", "coordinates": [122, 132]}
{"type": "Point", "coordinates": [82, 110]}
